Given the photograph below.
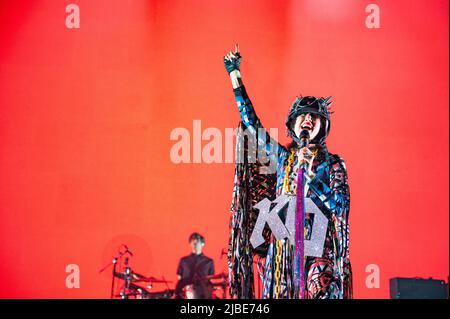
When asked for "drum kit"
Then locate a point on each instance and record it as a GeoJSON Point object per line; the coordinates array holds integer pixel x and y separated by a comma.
{"type": "Point", "coordinates": [207, 287]}
{"type": "Point", "coordinates": [137, 286]}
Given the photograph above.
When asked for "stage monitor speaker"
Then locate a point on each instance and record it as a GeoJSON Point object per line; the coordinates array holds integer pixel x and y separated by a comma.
{"type": "Point", "coordinates": [418, 288]}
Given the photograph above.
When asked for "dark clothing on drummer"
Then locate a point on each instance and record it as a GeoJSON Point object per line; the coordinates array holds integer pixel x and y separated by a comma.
{"type": "Point", "coordinates": [193, 264]}
{"type": "Point", "coordinates": [192, 270]}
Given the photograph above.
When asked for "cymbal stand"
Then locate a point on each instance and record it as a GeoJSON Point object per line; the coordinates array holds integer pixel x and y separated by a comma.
{"type": "Point", "coordinates": [114, 263]}
{"type": "Point", "coordinates": [126, 286]}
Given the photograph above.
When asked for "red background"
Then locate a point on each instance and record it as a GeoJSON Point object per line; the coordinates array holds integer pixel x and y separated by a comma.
{"type": "Point", "coordinates": [86, 114]}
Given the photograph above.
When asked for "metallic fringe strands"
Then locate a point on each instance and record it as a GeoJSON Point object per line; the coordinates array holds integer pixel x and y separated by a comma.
{"type": "Point", "coordinates": [249, 188]}
{"type": "Point", "coordinates": [299, 238]}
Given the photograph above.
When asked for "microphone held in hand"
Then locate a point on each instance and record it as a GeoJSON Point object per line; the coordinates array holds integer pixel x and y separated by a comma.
{"type": "Point", "coordinates": [304, 138]}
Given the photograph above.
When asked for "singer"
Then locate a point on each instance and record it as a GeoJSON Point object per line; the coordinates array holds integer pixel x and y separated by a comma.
{"type": "Point", "coordinates": [305, 169]}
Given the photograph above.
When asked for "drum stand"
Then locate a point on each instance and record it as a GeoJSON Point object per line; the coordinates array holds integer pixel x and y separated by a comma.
{"type": "Point", "coordinates": [114, 263]}
{"type": "Point", "coordinates": [126, 286]}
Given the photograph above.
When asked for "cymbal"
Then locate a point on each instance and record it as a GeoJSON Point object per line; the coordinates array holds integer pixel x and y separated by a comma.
{"type": "Point", "coordinates": [139, 277]}
{"type": "Point", "coordinates": [137, 288]}
{"type": "Point", "coordinates": [154, 280]}
{"type": "Point", "coordinates": [123, 276]}
{"type": "Point", "coordinates": [135, 277]}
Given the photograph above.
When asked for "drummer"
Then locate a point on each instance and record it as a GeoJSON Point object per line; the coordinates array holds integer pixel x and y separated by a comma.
{"type": "Point", "coordinates": [193, 269]}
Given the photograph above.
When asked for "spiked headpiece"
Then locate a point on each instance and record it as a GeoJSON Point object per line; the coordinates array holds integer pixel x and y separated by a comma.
{"type": "Point", "coordinates": [314, 105]}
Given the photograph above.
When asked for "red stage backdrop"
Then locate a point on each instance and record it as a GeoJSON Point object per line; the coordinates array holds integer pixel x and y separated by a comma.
{"type": "Point", "coordinates": [86, 116]}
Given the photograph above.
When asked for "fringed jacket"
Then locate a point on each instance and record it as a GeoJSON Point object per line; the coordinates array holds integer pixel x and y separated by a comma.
{"type": "Point", "coordinates": [325, 277]}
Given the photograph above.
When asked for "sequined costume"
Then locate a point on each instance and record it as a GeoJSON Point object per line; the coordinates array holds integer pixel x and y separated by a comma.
{"type": "Point", "coordinates": [326, 277]}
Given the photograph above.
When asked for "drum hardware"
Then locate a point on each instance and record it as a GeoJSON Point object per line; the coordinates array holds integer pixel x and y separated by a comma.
{"type": "Point", "coordinates": [114, 263]}
{"type": "Point", "coordinates": [136, 277]}
{"type": "Point", "coordinates": [204, 287]}
{"type": "Point", "coordinates": [201, 287]}
{"type": "Point", "coordinates": [165, 294]}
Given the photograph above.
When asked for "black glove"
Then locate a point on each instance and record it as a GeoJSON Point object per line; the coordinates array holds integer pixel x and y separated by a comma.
{"type": "Point", "coordinates": [233, 64]}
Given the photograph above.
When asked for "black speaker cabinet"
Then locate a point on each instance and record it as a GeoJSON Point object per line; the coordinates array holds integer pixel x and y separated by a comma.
{"type": "Point", "coordinates": [418, 288]}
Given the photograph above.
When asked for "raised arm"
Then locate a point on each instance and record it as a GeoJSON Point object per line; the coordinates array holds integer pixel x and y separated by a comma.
{"type": "Point", "coordinates": [248, 115]}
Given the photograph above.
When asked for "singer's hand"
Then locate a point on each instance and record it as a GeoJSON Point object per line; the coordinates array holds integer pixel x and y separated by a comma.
{"type": "Point", "coordinates": [232, 60]}
{"type": "Point", "coordinates": [307, 157]}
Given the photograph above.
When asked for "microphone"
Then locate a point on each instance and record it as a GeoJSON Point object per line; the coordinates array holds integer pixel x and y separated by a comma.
{"type": "Point", "coordinates": [304, 138]}
{"type": "Point", "coordinates": [127, 250]}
